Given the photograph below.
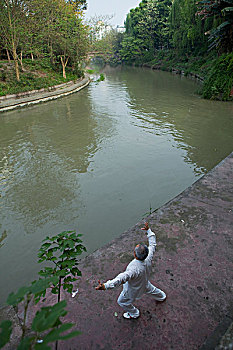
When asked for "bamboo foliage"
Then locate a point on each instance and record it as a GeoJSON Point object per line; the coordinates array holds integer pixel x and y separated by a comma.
{"type": "Point", "coordinates": [221, 34]}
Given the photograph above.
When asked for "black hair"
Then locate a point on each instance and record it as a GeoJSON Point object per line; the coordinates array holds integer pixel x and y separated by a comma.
{"type": "Point", "coordinates": [141, 251]}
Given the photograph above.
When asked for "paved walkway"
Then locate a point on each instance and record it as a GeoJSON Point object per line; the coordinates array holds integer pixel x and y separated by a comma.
{"type": "Point", "coordinates": [34, 97]}
{"type": "Point", "coordinates": [193, 265]}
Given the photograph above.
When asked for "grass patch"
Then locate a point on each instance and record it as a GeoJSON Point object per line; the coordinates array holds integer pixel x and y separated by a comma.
{"type": "Point", "coordinates": [91, 71]}
{"type": "Point", "coordinates": [36, 75]}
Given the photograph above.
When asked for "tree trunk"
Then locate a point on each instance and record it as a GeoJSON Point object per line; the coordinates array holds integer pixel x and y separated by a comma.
{"type": "Point", "coordinates": [21, 60]}
{"type": "Point", "coordinates": [16, 64]}
{"type": "Point", "coordinates": [8, 56]}
{"type": "Point", "coordinates": [32, 56]}
{"type": "Point", "coordinates": [64, 67]}
{"type": "Point", "coordinates": [13, 47]}
{"type": "Point", "coordinates": [63, 71]}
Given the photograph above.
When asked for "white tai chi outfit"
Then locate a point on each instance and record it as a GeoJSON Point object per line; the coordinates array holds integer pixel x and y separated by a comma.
{"type": "Point", "coordinates": [136, 282]}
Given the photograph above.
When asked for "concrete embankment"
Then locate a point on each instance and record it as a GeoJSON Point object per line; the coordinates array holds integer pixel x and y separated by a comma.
{"type": "Point", "coordinates": [37, 96]}
{"type": "Point", "coordinates": [193, 265]}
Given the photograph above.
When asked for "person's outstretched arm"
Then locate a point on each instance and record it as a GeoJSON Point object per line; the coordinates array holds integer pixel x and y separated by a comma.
{"type": "Point", "coordinates": [117, 281]}
{"type": "Point", "coordinates": [152, 241]}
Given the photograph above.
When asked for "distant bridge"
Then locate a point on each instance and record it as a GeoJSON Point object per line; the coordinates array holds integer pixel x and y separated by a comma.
{"type": "Point", "coordinates": [93, 54]}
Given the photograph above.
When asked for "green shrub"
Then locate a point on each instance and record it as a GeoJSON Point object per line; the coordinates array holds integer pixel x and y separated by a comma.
{"type": "Point", "coordinates": [101, 78]}
{"type": "Point", "coordinates": [63, 251]}
{"type": "Point", "coordinates": [219, 82]}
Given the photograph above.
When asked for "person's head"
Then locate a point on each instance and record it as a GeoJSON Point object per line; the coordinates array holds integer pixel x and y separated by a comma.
{"type": "Point", "coordinates": [141, 251]}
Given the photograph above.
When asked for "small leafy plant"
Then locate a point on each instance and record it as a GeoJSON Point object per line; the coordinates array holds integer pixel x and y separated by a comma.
{"type": "Point", "coordinates": [26, 294]}
{"type": "Point", "coordinates": [101, 78]}
{"type": "Point", "coordinates": [63, 251]}
{"type": "Point", "coordinates": [46, 325]}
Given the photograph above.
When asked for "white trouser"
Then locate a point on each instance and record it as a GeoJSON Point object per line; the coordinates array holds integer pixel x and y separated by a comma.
{"type": "Point", "coordinates": [126, 302]}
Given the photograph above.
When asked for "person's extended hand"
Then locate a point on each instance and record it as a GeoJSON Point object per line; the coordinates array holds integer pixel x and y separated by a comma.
{"type": "Point", "coordinates": [146, 227]}
{"type": "Point", "coordinates": [100, 286]}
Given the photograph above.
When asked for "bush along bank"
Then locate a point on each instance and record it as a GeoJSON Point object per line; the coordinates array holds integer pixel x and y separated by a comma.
{"type": "Point", "coordinates": [219, 82]}
{"type": "Point", "coordinates": [35, 75]}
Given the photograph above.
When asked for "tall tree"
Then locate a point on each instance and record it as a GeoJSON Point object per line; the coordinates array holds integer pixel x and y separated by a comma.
{"type": "Point", "coordinates": [69, 31]}
{"type": "Point", "coordinates": [148, 27]}
{"type": "Point", "coordinates": [187, 30]}
{"type": "Point", "coordinates": [12, 18]}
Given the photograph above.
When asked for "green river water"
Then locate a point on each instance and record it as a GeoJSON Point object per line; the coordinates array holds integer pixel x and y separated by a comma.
{"type": "Point", "coordinates": [98, 160]}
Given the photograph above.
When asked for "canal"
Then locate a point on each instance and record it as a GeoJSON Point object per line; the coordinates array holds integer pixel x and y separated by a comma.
{"type": "Point", "coordinates": [100, 160]}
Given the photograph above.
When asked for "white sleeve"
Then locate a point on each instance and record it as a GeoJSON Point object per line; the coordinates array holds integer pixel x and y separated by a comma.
{"type": "Point", "coordinates": [152, 244]}
{"type": "Point", "coordinates": [119, 279]}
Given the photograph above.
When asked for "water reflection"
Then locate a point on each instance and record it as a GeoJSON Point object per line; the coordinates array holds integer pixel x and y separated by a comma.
{"type": "Point", "coordinates": [41, 156]}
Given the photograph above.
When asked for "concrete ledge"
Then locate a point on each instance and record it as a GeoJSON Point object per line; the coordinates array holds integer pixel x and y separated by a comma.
{"type": "Point", "coordinates": [213, 341]}
{"type": "Point", "coordinates": [32, 92]}
{"type": "Point", "coordinates": [10, 102]}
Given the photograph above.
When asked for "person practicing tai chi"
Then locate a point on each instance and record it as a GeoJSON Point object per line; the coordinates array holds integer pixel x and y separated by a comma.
{"type": "Point", "coordinates": [135, 279]}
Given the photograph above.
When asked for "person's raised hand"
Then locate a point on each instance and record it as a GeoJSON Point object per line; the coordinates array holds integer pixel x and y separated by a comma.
{"type": "Point", "coordinates": [146, 227]}
{"type": "Point", "coordinates": [100, 286]}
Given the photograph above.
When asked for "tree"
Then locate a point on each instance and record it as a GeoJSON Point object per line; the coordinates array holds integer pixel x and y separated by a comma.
{"type": "Point", "coordinates": [98, 26]}
{"type": "Point", "coordinates": [221, 11]}
{"type": "Point", "coordinates": [131, 49]}
{"type": "Point", "coordinates": [40, 30]}
{"type": "Point", "coordinates": [69, 37]}
{"type": "Point", "coordinates": [148, 24]}
{"type": "Point", "coordinates": [153, 26]}
{"type": "Point", "coordinates": [12, 18]}
{"type": "Point", "coordinates": [187, 29]}
{"type": "Point", "coordinates": [51, 28]}
{"type": "Point", "coordinates": [78, 4]}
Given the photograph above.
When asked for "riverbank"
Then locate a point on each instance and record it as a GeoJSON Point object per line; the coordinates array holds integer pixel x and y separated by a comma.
{"type": "Point", "coordinates": [24, 99]}
{"type": "Point", "coordinates": [193, 265]}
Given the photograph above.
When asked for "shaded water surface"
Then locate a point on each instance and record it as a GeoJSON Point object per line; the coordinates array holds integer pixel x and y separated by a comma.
{"type": "Point", "coordinates": [98, 160]}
